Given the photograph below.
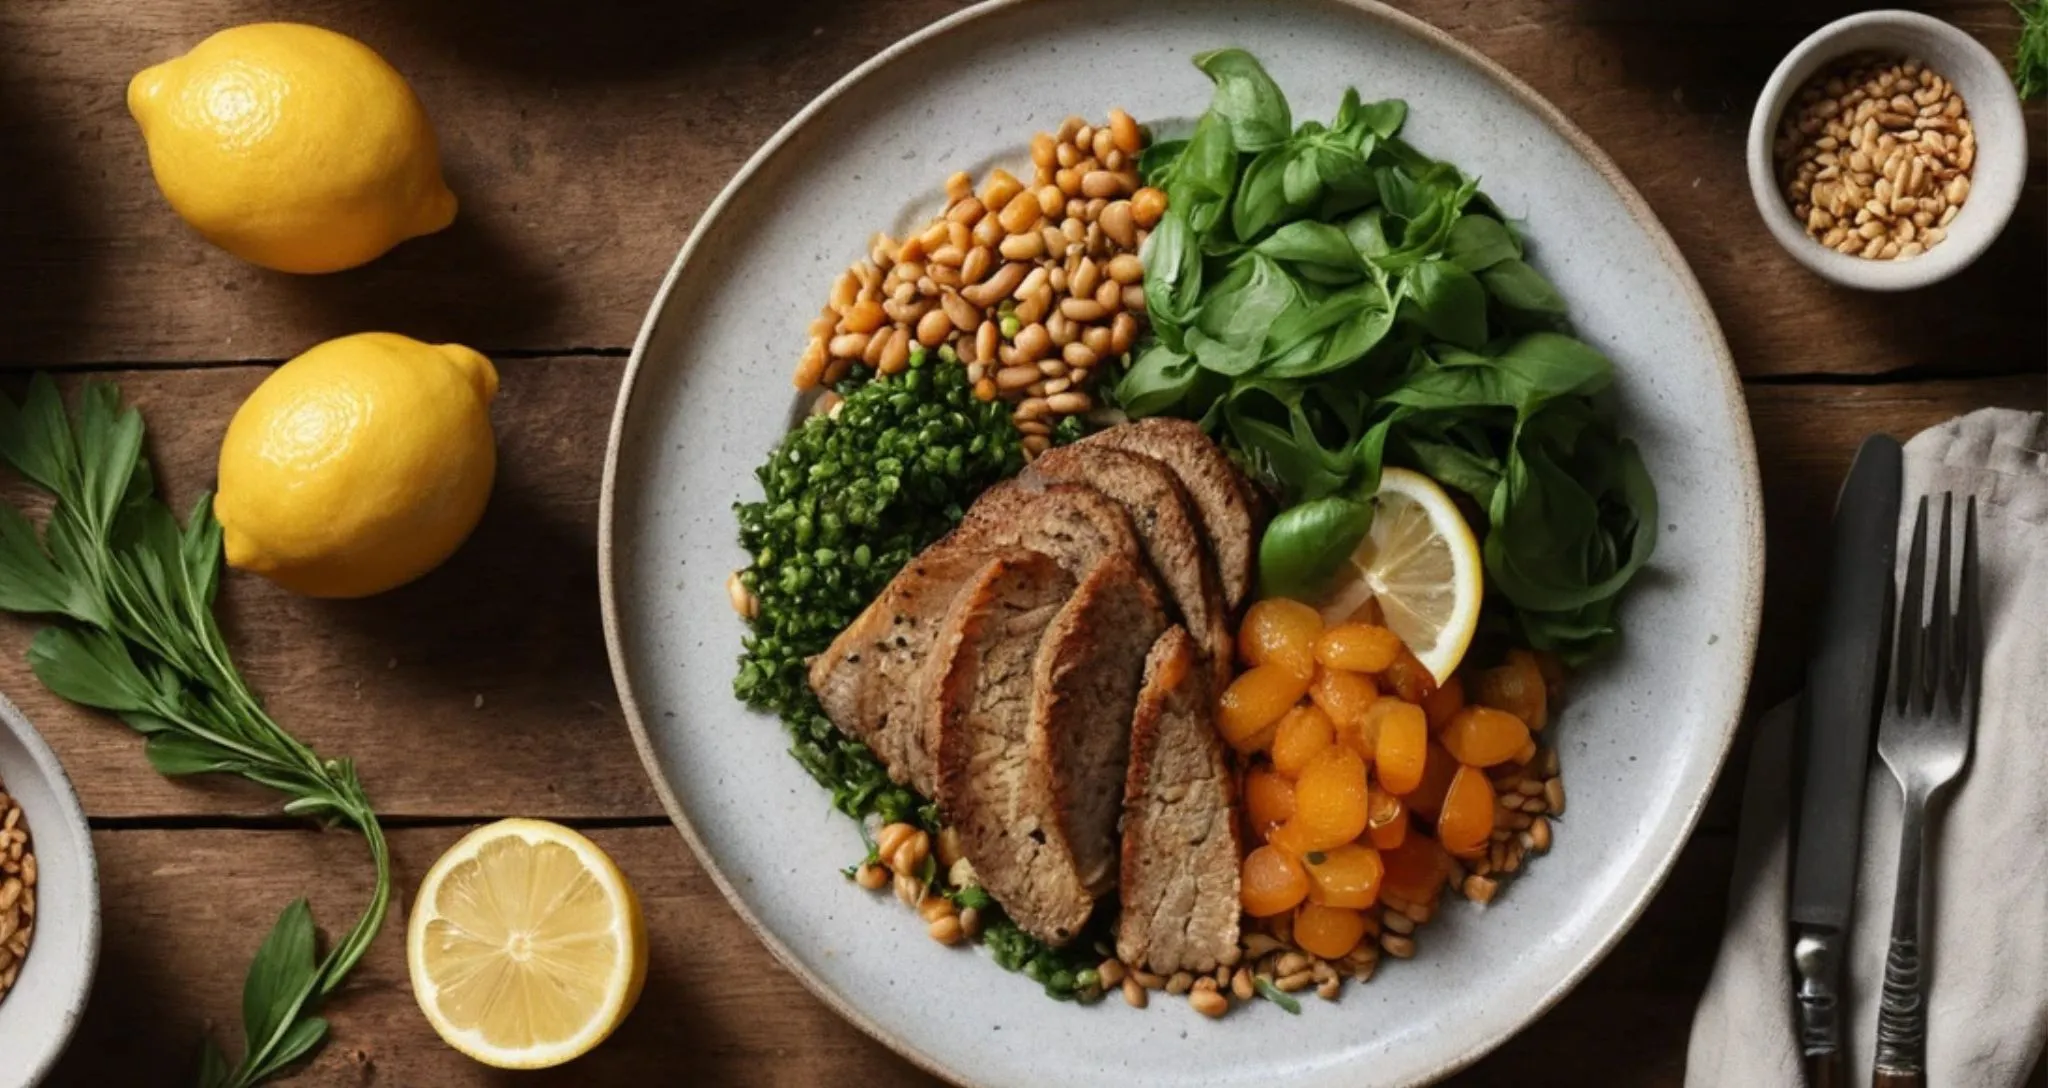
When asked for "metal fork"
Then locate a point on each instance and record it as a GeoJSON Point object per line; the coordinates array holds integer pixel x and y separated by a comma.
{"type": "Point", "coordinates": [1924, 738]}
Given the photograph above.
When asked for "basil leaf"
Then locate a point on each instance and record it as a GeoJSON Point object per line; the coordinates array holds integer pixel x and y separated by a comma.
{"type": "Point", "coordinates": [1521, 287]}
{"type": "Point", "coordinates": [1478, 242]}
{"type": "Point", "coordinates": [1450, 302]}
{"type": "Point", "coordinates": [1308, 242]}
{"type": "Point", "coordinates": [1157, 381]}
{"type": "Point", "coordinates": [1368, 235]}
{"type": "Point", "coordinates": [1548, 365]}
{"type": "Point", "coordinates": [1158, 161]}
{"type": "Point", "coordinates": [1247, 98]}
{"type": "Point", "coordinates": [1235, 316]}
{"type": "Point", "coordinates": [1347, 110]}
{"type": "Point", "coordinates": [1383, 118]}
{"type": "Point", "coordinates": [1262, 194]}
{"type": "Point", "coordinates": [1456, 467]}
{"type": "Point", "coordinates": [1173, 271]}
{"type": "Point", "coordinates": [1305, 546]}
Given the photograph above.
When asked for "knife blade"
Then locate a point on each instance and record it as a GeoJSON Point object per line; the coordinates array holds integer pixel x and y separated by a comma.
{"type": "Point", "coordinates": [1836, 719]}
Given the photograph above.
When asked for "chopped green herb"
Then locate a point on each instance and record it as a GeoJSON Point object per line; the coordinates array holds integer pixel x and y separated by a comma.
{"type": "Point", "coordinates": [1276, 995]}
{"type": "Point", "coordinates": [847, 501]}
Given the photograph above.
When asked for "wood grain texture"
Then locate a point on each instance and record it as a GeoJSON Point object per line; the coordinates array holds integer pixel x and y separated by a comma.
{"type": "Point", "coordinates": [584, 142]}
{"type": "Point", "coordinates": [185, 909]}
{"type": "Point", "coordinates": [584, 146]}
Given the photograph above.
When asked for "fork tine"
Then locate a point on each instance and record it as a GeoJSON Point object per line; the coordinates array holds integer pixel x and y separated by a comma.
{"type": "Point", "coordinates": [1941, 652]}
{"type": "Point", "coordinates": [1909, 636]}
{"type": "Point", "coordinates": [1968, 650]}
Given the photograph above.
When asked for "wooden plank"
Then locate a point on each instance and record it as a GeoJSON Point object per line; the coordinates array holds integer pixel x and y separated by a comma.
{"type": "Point", "coordinates": [584, 152]}
{"type": "Point", "coordinates": [549, 718]}
{"type": "Point", "coordinates": [183, 911]}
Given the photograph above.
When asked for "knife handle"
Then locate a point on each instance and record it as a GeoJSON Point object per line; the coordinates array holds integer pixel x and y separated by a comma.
{"type": "Point", "coordinates": [1816, 955]}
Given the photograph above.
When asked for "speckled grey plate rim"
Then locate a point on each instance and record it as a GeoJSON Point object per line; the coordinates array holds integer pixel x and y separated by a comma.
{"type": "Point", "coordinates": [84, 934]}
{"type": "Point", "coordinates": [1750, 590]}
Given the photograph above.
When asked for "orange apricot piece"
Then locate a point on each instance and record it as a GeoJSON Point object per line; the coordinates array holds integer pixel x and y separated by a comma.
{"type": "Point", "coordinates": [1444, 702]}
{"type": "Point", "coordinates": [1329, 932]}
{"type": "Point", "coordinates": [1272, 883]}
{"type": "Point", "coordinates": [1329, 800]}
{"type": "Point", "coordinates": [1517, 687]}
{"type": "Point", "coordinates": [1280, 632]}
{"type": "Point", "coordinates": [1466, 822]}
{"type": "Point", "coordinates": [1255, 700]}
{"type": "Point", "coordinates": [1305, 731]}
{"type": "Point", "coordinates": [1344, 696]}
{"type": "Point", "coordinates": [1414, 870]}
{"type": "Point", "coordinates": [1344, 876]}
{"type": "Point", "coordinates": [1480, 736]}
{"type": "Point", "coordinates": [1409, 678]}
{"type": "Point", "coordinates": [1268, 800]}
{"type": "Point", "coordinates": [1427, 798]}
{"type": "Point", "coordinates": [1358, 647]}
{"type": "Point", "coordinates": [1386, 819]}
{"type": "Point", "coordinates": [1401, 747]}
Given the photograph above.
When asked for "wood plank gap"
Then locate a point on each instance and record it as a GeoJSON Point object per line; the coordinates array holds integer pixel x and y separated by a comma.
{"type": "Point", "coordinates": [1903, 376]}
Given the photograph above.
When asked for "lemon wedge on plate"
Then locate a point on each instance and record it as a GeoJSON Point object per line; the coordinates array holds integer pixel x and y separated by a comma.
{"type": "Point", "coordinates": [526, 945]}
{"type": "Point", "coordinates": [1421, 563]}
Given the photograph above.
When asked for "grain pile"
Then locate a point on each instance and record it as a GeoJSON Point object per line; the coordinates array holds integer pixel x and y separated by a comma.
{"type": "Point", "coordinates": [1875, 155]}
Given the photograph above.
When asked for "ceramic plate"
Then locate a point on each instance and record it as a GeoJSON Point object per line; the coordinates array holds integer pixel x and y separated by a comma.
{"type": "Point", "coordinates": [38, 1015]}
{"type": "Point", "coordinates": [707, 396]}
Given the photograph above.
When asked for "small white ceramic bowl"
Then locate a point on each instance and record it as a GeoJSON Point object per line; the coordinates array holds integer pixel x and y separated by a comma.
{"type": "Point", "coordinates": [38, 1015]}
{"type": "Point", "coordinates": [1994, 112]}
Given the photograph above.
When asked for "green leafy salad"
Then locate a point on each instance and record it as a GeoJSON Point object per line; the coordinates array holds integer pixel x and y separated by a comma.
{"type": "Point", "coordinates": [1327, 300]}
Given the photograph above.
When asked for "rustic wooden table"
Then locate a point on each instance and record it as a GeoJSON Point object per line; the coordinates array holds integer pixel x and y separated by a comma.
{"type": "Point", "coordinates": [584, 140]}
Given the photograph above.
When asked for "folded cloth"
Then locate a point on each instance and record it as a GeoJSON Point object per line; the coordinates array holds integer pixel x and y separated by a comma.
{"type": "Point", "coordinates": [1986, 926]}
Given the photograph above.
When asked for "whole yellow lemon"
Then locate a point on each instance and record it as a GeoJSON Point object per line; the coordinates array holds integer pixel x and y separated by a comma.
{"type": "Point", "coordinates": [291, 146]}
{"type": "Point", "coordinates": [358, 466]}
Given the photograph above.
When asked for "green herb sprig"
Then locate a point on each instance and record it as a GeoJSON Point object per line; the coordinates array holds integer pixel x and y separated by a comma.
{"type": "Point", "coordinates": [1327, 299]}
{"type": "Point", "coordinates": [2030, 57]}
{"type": "Point", "coordinates": [139, 639]}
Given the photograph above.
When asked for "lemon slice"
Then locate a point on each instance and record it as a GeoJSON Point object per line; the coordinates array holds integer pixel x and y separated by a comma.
{"type": "Point", "coordinates": [526, 945]}
{"type": "Point", "coordinates": [1421, 563]}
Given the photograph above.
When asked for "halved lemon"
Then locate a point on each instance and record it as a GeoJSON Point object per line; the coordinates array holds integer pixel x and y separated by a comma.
{"type": "Point", "coordinates": [1421, 563]}
{"type": "Point", "coordinates": [526, 945]}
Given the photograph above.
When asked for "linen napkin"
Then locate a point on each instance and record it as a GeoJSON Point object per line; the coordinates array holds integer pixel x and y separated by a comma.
{"type": "Point", "coordinates": [1986, 926]}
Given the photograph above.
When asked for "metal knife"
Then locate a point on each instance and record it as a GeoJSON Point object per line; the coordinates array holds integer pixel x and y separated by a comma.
{"type": "Point", "coordinates": [1842, 685]}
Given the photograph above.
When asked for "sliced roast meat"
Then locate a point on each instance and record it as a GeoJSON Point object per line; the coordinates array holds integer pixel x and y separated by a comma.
{"type": "Point", "coordinates": [1168, 528]}
{"type": "Point", "coordinates": [1075, 525]}
{"type": "Point", "coordinates": [1085, 686]}
{"type": "Point", "coordinates": [1228, 504]}
{"type": "Point", "coordinates": [1179, 882]}
{"type": "Point", "coordinates": [865, 680]}
{"type": "Point", "coordinates": [983, 678]}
